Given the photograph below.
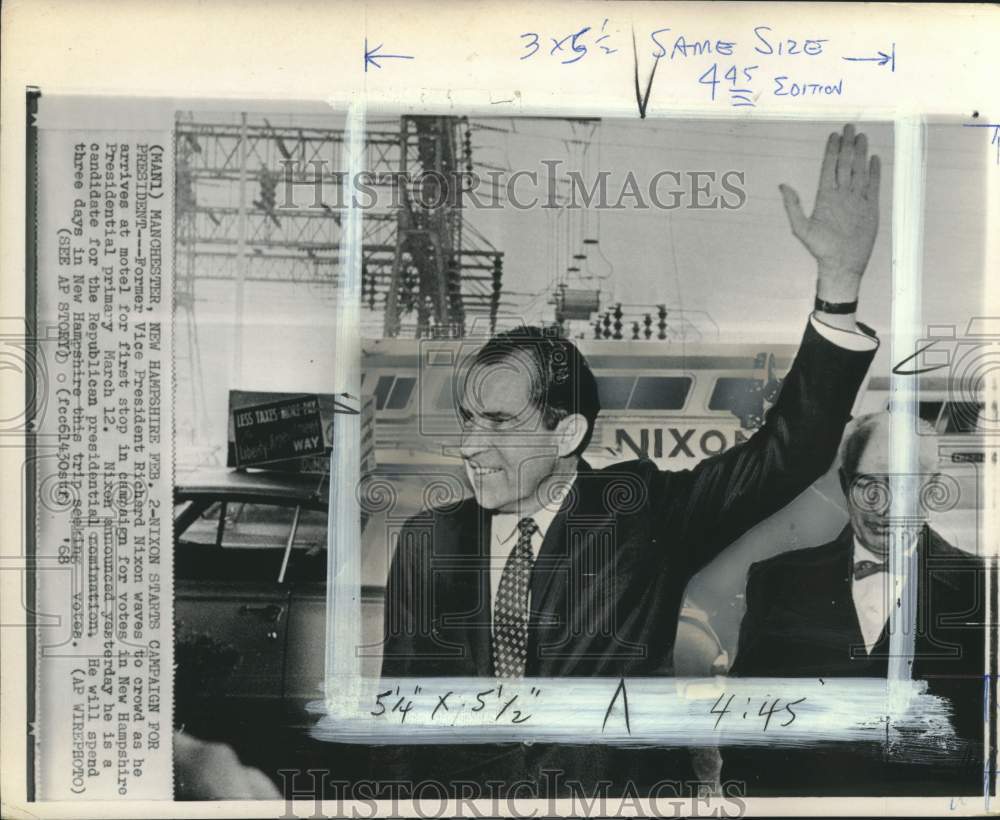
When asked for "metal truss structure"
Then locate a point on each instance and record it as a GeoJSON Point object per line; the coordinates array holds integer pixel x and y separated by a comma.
{"type": "Point", "coordinates": [257, 202]}
{"type": "Point", "coordinates": [421, 272]}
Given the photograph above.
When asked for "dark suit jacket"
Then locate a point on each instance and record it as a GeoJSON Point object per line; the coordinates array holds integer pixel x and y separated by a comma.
{"type": "Point", "coordinates": [801, 622]}
{"type": "Point", "coordinates": [609, 578]}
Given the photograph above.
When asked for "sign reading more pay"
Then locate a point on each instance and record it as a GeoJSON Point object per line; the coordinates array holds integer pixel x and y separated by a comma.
{"type": "Point", "coordinates": [278, 430]}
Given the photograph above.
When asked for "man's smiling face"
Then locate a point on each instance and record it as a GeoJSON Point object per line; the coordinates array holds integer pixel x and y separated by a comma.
{"type": "Point", "coordinates": [506, 448]}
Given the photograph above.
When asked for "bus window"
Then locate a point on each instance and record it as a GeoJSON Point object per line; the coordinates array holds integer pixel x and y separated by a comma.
{"type": "Point", "coordinates": [446, 398]}
{"type": "Point", "coordinates": [742, 397]}
{"type": "Point", "coordinates": [400, 393]}
{"type": "Point", "coordinates": [381, 391]}
{"type": "Point", "coordinates": [731, 392]}
{"type": "Point", "coordinates": [930, 411]}
{"type": "Point", "coordinates": [962, 416]}
{"type": "Point", "coordinates": [660, 393]}
{"type": "Point", "coordinates": [614, 391]}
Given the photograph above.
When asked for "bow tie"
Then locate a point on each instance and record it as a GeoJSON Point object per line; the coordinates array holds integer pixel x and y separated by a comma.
{"type": "Point", "coordinates": [863, 569]}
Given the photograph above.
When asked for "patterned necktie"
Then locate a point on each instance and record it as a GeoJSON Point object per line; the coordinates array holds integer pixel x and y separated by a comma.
{"type": "Point", "coordinates": [510, 612]}
{"type": "Point", "coordinates": [863, 569]}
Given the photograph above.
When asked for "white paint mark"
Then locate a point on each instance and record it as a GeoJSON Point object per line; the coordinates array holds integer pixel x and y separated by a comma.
{"type": "Point", "coordinates": [790, 712]}
{"type": "Point", "coordinates": [909, 169]}
{"type": "Point", "coordinates": [343, 604]}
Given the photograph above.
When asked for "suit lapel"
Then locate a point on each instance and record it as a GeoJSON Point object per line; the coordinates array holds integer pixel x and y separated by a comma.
{"type": "Point", "coordinates": [881, 649]}
{"type": "Point", "coordinates": [480, 634]}
{"type": "Point", "coordinates": [935, 591]}
{"type": "Point", "coordinates": [553, 555]}
{"type": "Point", "coordinates": [467, 607]}
{"type": "Point", "coordinates": [550, 561]}
{"type": "Point", "coordinates": [849, 623]}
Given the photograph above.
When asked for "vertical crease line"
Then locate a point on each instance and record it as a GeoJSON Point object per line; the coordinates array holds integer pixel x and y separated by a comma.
{"type": "Point", "coordinates": [907, 249]}
{"type": "Point", "coordinates": [343, 625]}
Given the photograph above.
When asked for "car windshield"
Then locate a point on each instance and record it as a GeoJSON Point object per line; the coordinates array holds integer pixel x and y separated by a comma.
{"type": "Point", "coordinates": [232, 539]}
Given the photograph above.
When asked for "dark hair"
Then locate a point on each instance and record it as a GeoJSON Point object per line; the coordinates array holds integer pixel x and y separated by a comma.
{"type": "Point", "coordinates": [563, 383]}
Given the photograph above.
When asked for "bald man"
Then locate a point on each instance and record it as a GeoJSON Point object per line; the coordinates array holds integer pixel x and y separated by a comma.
{"type": "Point", "coordinates": [824, 612]}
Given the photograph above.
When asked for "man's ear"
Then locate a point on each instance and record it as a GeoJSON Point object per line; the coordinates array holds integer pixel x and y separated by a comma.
{"type": "Point", "coordinates": [571, 431]}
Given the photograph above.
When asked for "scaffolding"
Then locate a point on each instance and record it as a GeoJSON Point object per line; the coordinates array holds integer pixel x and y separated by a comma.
{"type": "Point", "coordinates": [263, 202]}
{"type": "Point", "coordinates": [421, 273]}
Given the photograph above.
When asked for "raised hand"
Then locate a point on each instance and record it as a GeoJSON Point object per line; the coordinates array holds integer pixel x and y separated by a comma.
{"type": "Point", "coordinates": [841, 231]}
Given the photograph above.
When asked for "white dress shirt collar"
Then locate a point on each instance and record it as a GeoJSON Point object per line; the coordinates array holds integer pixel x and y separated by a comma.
{"type": "Point", "coordinates": [504, 531]}
{"type": "Point", "coordinates": [870, 596]}
{"type": "Point", "coordinates": [505, 524]}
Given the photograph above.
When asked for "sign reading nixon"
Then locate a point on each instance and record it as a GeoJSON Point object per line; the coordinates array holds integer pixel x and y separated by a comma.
{"type": "Point", "coordinates": [278, 430]}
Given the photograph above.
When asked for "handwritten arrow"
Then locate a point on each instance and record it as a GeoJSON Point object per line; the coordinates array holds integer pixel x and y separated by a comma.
{"type": "Point", "coordinates": [642, 99]}
{"type": "Point", "coordinates": [370, 56]}
{"type": "Point", "coordinates": [881, 59]}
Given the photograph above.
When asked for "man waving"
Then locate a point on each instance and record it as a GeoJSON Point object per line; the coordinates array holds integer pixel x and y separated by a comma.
{"type": "Point", "coordinates": [557, 569]}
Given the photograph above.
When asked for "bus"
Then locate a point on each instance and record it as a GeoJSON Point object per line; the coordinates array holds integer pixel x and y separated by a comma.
{"type": "Point", "coordinates": [673, 404]}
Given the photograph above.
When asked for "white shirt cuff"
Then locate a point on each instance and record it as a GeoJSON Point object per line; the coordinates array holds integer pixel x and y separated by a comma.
{"type": "Point", "coordinates": [847, 339]}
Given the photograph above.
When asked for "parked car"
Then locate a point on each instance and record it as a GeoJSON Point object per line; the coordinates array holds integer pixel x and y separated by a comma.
{"type": "Point", "coordinates": [250, 564]}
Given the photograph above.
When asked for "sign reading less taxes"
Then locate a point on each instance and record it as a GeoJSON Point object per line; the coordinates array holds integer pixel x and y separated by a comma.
{"type": "Point", "coordinates": [278, 430]}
